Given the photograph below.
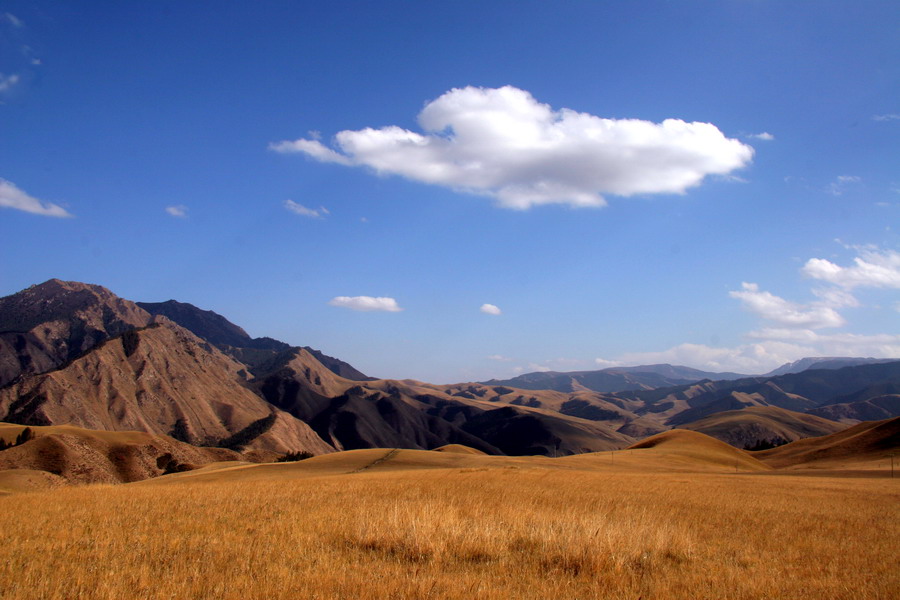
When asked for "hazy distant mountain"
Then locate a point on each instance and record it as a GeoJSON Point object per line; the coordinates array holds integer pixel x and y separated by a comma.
{"type": "Point", "coordinates": [824, 362]}
{"type": "Point", "coordinates": [615, 379]}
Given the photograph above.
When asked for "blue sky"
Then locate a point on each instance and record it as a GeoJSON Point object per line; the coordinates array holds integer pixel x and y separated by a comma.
{"type": "Point", "coordinates": [715, 184]}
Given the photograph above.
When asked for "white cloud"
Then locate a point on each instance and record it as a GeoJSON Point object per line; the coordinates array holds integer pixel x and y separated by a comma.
{"type": "Point", "coordinates": [835, 298]}
{"type": "Point", "coordinates": [13, 197]}
{"type": "Point", "coordinates": [887, 117]}
{"type": "Point", "coordinates": [764, 136]}
{"type": "Point", "coordinates": [841, 183]}
{"type": "Point", "coordinates": [872, 268]}
{"type": "Point", "coordinates": [504, 144]}
{"type": "Point", "coordinates": [7, 82]}
{"type": "Point", "coordinates": [499, 357]}
{"type": "Point", "coordinates": [490, 309]}
{"type": "Point", "coordinates": [301, 210]}
{"type": "Point", "coordinates": [772, 308]}
{"type": "Point", "coordinates": [773, 348]}
{"type": "Point", "coordinates": [837, 344]}
{"type": "Point", "coordinates": [179, 211]}
{"type": "Point", "coordinates": [366, 303]}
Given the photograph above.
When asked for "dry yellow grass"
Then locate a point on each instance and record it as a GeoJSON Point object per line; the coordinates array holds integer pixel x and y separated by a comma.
{"type": "Point", "coordinates": [448, 526]}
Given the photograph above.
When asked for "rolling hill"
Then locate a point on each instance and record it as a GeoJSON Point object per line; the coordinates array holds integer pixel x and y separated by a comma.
{"type": "Point", "coordinates": [65, 454]}
{"type": "Point", "coordinates": [866, 444]}
{"type": "Point", "coordinates": [748, 426]}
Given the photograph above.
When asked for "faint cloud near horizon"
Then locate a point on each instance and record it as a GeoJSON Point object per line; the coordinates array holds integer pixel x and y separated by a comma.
{"type": "Point", "coordinates": [504, 144]}
{"type": "Point", "coordinates": [366, 303]}
{"type": "Point", "coordinates": [887, 117]}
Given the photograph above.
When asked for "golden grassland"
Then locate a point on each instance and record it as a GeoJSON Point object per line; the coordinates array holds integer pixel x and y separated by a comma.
{"type": "Point", "coordinates": [422, 525]}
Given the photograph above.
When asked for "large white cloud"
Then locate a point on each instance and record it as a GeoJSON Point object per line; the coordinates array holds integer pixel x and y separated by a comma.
{"type": "Point", "coordinates": [872, 268]}
{"type": "Point", "coordinates": [366, 303]}
{"type": "Point", "coordinates": [505, 144]}
{"type": "Point", "coordinates": [788, 314]}
{"type": "Point", "coordinates": [13, 197]}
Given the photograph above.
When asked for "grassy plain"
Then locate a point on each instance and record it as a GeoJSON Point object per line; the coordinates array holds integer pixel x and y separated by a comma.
{"type": "Point", "coordinates": [375, 524]}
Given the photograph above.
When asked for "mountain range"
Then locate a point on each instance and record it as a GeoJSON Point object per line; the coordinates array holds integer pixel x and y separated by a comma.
{"type": "Point", "coordinates": [76, 354]}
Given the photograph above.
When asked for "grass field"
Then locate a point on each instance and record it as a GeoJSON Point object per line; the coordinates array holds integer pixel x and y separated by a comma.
{"type": "Point", "coordinates": [450, 525]}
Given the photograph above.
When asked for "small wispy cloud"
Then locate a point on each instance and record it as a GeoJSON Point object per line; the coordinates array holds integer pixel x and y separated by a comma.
{"type": "Point", "coordinates": [841, 183]}
{"type": "Point", "coordinates": [8, 82]}
{"type": "Point", "coordinates": [366, 303]}
{"type": "Point", "coordinates": [764, 136]}
{"type": "Point", "coordinates": [13, 197]}
{"type": "Point", "coordinates": [14, 20]}
{"type": "Point", "coordinates": [501, 358]}
{"type": "Point", "coordinates": [887, 117]}
{"type": "Point", "coordinates": [299, 209]}
{"type": "Point", "coordinates": [179, 211]}
{"type": "Point", "coordinates": [490, 309]}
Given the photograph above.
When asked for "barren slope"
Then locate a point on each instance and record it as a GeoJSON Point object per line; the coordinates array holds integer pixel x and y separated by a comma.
{"type": "Point", "coordinates": [748, 426]}
{"type": "Point", "coordinates": [161, 380]}
{"type": "Point", "coordinates": [695, 447]}
{"type": "Point", "coordinates": [77, 456]}
{"type": "Point", "coordinates": [868, 442]}
{"type": "Point", "coordinates": [46, 325]}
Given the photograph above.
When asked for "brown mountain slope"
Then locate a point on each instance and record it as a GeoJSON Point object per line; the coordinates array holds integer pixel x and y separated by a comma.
{"type": "Point", "coordinates": [410, 414]}
{"type": "Point", "coordinates": [46, 325]}
{"type": "Point", "coordinates": [748, 426]}
{"type": "Point", "coordinates": [85, 456]}
{"type": "Point", "coordinates": [866, 442]}
{"type": "Point", "coordinates": [697, 448]}
{"type": "Point", "coordinates": [161, 380]}
{"type": "Point", "coordinates": [874, 408]}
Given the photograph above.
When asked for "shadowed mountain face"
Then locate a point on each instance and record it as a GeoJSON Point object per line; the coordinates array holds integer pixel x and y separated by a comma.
{"type": "Point", "coordinates": [257, 353]}
{"type": "Point", "coordinates": [49, 324]}
{"type": "Point", "coordinates": [212, 327]}
{"type": "Point", "coordinates": [753, 425]}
